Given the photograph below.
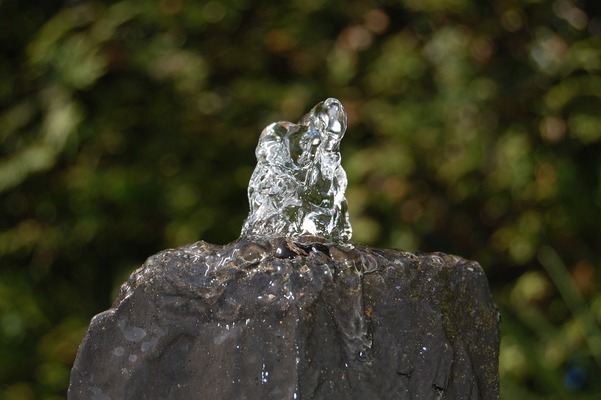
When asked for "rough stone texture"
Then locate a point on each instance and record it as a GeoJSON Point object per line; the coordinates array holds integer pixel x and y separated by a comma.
{"type": "Point", "coordinates": [276, 319]}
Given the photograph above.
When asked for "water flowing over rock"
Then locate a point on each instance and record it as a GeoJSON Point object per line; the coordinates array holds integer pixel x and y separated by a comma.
{"type": "Point", "coordinates": [282, 319]}
{"type": "Point", "coordinates": [292, 310]}
{"type": "Point", "coordinates": [298, 184]}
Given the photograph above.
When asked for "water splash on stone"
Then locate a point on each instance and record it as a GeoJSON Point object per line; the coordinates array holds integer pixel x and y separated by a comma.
{"type": "Point", "coordinates": [298, 185]}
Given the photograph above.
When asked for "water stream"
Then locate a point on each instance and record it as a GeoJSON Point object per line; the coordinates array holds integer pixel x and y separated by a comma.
{"type": "Point", "coordinates": [298, 185]}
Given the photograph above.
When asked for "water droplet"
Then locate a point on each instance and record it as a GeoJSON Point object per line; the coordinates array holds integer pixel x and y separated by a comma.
{"type": "Point", "coordinates": [131, 333]}
{"type": "Point", "coordinates": [252, 252]}
{"type": "Point", "coordinates": [362, 355]}
{"type": "Point", "coordinates": [283, 251]}
{"type": "Point", "coordinates": [264, 375]}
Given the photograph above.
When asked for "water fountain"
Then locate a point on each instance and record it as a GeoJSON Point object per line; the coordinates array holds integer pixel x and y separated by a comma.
{"type": "Point", "coordinates": [293, 309]}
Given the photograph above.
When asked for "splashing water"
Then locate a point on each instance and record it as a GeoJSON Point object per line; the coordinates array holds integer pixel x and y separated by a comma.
{"type": "Point", "coordinates": [298, 185]}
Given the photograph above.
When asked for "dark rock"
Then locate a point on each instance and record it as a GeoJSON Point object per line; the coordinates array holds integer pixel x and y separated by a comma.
{"type": "Point", "coordinates": [282, 319]}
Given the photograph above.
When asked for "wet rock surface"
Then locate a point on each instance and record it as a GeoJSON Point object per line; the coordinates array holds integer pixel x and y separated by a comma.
{"type": "Point", "coordinates": [294, 319]}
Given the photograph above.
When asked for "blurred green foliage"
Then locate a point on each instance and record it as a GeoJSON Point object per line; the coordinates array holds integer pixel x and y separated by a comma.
{"type": "Point", "coordinates": [127, 127]}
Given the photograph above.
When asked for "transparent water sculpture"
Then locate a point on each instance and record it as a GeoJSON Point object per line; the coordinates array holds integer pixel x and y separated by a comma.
{"type": "Point", "coordinates": [298, 185]}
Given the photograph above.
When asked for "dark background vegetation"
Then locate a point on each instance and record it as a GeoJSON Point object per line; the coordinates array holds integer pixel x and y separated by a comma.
{"type": "Point", "coordinates": [127, 127]}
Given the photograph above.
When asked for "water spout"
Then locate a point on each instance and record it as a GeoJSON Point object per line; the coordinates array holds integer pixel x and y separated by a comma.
{"type": "Point", "coordinates": [298, 185]}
